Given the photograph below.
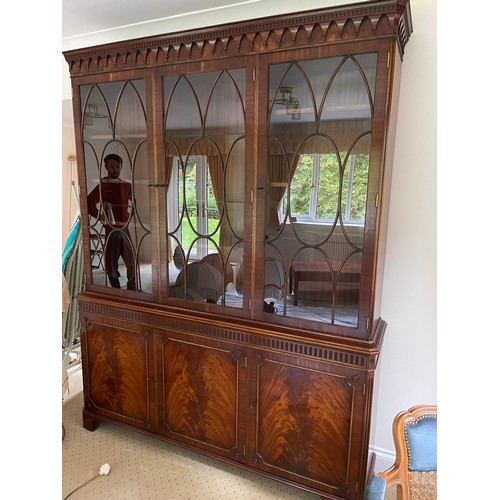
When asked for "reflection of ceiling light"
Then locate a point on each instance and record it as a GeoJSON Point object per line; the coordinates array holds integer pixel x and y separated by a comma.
{"type": "Point", "coordinates": [91, 112]}
{"type": "Point", "coordinates": [291, 103]}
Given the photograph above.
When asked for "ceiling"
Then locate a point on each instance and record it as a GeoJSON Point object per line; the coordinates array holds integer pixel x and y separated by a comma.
{"type": "Point", "coordinates": [86, 23]}
{"type": "Point", "coordinates": [94, 15]}
{"type": "Point", "coordinates": [92, 22]}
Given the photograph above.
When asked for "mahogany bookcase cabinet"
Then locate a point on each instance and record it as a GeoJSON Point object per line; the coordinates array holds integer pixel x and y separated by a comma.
{"type": "Point", "coordinates": [254, 158]}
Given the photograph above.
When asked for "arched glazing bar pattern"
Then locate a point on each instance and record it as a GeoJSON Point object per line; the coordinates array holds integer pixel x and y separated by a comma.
{"type": "Point", "coordinates": [113, 131]}
{"type": "Point", "coordinates": [205, 166]}
{"type": "Point", "coordinates": [318, 157]}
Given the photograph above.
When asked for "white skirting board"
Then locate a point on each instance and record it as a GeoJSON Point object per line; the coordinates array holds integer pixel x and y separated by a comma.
{"type": "Point", "coordinates": [383, 458]}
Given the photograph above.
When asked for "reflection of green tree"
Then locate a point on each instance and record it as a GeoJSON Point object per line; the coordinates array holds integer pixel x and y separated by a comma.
{"type": "Point", "coordinates": [328, 187]}
{"type": "Point", "coordinates": [359, 187]}
{"type": "Point", "coordinates": [329, 179]}
{"type": "Point", "coordinates": [188, 235]}
{"type": "Point", "coordinates": [300, 187]}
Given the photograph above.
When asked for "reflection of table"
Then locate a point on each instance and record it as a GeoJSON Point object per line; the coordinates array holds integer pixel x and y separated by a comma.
{"type": "Point", "coordinates": [317, 280]}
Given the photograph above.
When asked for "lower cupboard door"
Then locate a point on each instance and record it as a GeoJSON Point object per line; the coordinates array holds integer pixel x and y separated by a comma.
{"type": "Point", "coordinates": [201, 404]}
{"type": "Point", "coordinates": [307, 424]}
{"type": "Point", "coordinates": [116, 368]}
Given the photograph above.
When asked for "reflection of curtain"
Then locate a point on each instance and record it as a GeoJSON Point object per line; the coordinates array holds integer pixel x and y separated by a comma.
{"type": "Point", "coordinates": [217, 177]}
{"type": "Point", "coordinates": [169, 161]}
{"type": "Point", "coordinates": [277, 174]}
{"type": "Point", "coordinates": [201, 146]}
{"type": "Point", "coordinates": [343, 132]}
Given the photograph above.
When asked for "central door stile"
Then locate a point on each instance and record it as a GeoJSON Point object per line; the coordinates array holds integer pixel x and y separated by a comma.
{"type": "Point", "coordinates": [158, 187]}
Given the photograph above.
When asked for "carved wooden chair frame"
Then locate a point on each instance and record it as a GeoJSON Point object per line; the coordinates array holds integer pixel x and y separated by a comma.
{"type": "Point", "coordinates": [412, 484]}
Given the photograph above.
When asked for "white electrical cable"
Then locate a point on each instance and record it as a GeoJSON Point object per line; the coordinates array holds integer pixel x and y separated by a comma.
{"type": "Point", "coordinates": [103, 471]}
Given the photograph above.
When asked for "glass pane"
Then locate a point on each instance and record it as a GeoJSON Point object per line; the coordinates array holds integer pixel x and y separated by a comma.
{"type": "Point", "coordinates": [274, 284]}
{"type": "Point", "coordinates": [205, 123]}
{"type": "Point", "coordinates": [314, 190]}
{"type": "Point", "coordinates": [225, 115]}
{"type": "Point", "coordinates": [354, 188]}
{"type": "Point", "coordinates": [300, 187]}
{"type": "Point", "coordinates": [235, 192]}
{"type": "Point", "coordinates": [319, 133]}
{"type": "Point", "coordinates": [183, 113]}
{"type": "Point", "coordinates": [277, 180]}
{"type": "Point", "coordinates": [188, 195]}
{"type": "Point", "coordinates": [328, 186]}
{"type": "Point", "coordinates": [114, 136]}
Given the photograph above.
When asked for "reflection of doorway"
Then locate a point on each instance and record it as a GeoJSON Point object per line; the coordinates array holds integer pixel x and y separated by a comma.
{"type": "Point", "coordinates": [200, 206]}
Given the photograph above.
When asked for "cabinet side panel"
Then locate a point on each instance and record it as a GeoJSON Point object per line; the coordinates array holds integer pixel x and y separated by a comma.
{"type": "Point", "coordinates": [393, 100]}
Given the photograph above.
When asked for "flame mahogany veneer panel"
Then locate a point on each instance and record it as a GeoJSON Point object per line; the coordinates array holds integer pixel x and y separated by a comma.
{"type": "Point", "coordinates": [200, 393]}
{"type": "Point", "coordinates": [304, 421]}
{"type": "Point", "coordinates": [117, 373]}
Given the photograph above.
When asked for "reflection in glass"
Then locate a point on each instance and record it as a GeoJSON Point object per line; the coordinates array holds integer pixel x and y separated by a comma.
{"type": "Point", "coordinates": [274, 286]}
{"type": "Point", "coordinates": [205, 153]}
{"type": "Point", "coordinates": [317, 179]}
{"type": "Point", "coordinates": [113, 129]}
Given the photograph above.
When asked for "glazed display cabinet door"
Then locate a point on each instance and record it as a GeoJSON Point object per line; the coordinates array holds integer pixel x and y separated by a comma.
{"type": "Point", "coordinates": [201, 404]}
{"type": "Point", "coordinates": [116, 375]}
{"type": "Point", "coordinates": [114, 127]}
{"type": "Point", "coordinates": [307, 425]}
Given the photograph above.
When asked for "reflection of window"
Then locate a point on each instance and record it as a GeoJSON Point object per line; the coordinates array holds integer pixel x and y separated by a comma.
{"type": "Point", "coordinates": [314, 190]}
{"type": "Point", "coordinates": [201, 207]}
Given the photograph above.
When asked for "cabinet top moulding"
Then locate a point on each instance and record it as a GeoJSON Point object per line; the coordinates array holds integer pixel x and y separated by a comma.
{"type": "Point", "coordinates": [375, 19]}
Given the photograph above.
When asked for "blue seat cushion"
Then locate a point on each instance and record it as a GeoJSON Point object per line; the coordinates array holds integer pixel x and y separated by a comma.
{"type": "Point", "coordinates": [422, 445]}
{"type": "Point", "coordinates": [375, 489]}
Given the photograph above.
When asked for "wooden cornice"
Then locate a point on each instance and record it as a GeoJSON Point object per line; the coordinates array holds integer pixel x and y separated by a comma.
{"type": "Point", "coordinates": [379, 18]}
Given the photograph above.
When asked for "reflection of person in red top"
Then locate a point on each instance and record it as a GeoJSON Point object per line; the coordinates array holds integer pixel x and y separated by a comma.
{"type": "Point", "coordinates": [115, 202]}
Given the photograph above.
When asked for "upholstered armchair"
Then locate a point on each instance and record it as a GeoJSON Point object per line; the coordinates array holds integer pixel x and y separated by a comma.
{"type": "Point", "coordinates": [415, 467]}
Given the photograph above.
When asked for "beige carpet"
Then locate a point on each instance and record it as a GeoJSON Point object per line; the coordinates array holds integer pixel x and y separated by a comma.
{"type": "Point", "coordinates": [145, 468]}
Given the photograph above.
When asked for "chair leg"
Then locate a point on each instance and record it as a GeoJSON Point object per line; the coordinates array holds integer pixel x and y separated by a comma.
{"type": "Point", "coordinates": [399, 492]}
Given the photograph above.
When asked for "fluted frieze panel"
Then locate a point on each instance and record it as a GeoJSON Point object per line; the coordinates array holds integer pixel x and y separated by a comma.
{"type": "Point", "coordinates": [371, 20]}
{"type": "Point", "coordinates": [260, 338]}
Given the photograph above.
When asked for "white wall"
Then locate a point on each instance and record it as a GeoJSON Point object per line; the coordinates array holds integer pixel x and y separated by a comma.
{"type": "Point", "coordinates": [408, 371]}
{"type": "Point", "coordinates": [408, 364]}
{"type": "Point", "coordinates": [69, 172]}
